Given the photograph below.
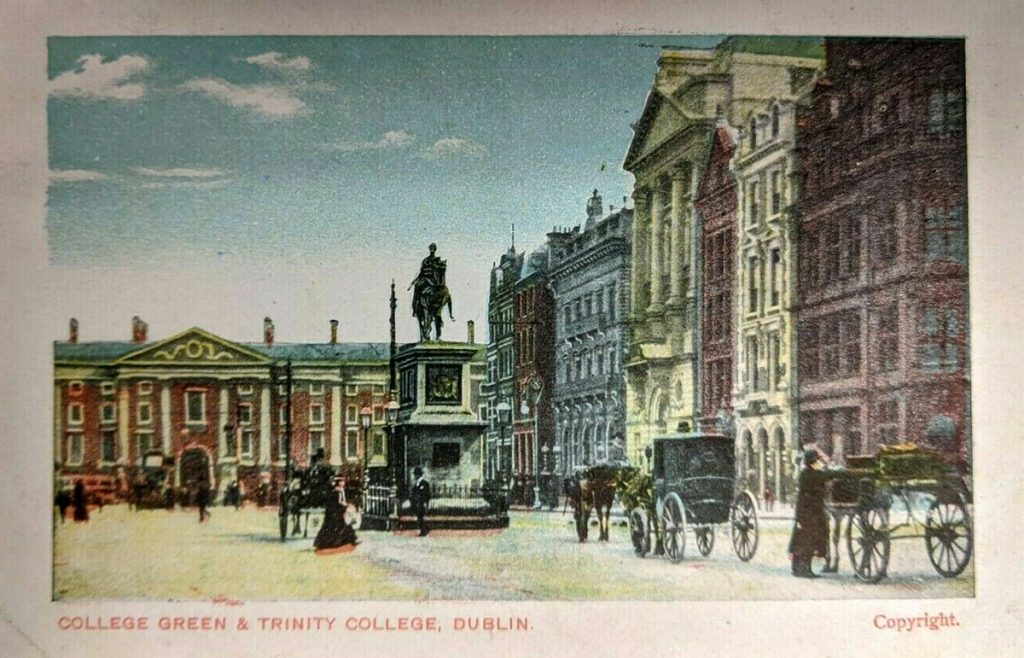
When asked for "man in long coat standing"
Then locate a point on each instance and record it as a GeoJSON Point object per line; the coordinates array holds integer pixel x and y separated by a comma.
{"type": "Point", "coordinates": [810, 527]}
{"type": "Point", "coordinates": [419, 500]}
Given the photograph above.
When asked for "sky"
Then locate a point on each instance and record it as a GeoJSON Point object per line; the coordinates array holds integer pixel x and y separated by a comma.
{"type": "Point", "coordinates": [213, 181]}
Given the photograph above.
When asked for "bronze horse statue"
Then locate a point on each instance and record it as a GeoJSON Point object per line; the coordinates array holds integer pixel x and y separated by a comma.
{"type": "Point", "coordinates": [592, 489]}
{"type": "Point", "coordinates": [431, 295]}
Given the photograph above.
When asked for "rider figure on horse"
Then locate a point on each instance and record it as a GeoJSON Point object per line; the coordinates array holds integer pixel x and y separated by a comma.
{"type": "Point", "coordinates": [430, 294]}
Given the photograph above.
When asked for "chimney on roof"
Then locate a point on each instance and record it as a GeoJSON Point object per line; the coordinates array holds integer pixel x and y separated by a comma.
{"type": "Point", "coordinates": [470, 332]}
{"type": "Point", "coordinates": [268, 332]}
{"type": "Point", "coordinates": [139, 329]}
{"type": "Point", "coordinates": [73, 331]}
{"type": "Point", "coordinates": [334, 332]}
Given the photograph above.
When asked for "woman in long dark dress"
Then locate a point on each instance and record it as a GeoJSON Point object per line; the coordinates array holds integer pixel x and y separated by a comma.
{"type": "Point", "coordinates": [79, 502]}
{"type": "Point", "coordinates": [336, 531]}
{"type": "Point", "coordinates": [810, 527]}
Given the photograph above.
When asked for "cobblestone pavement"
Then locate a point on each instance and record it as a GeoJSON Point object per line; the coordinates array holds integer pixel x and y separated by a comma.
{"type": "Point", "coordinates": [162, 555]}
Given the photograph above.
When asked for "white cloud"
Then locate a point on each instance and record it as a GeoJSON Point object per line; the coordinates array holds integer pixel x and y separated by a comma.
{"type": "Point", "coordinates": [75, 175]}
{"type": "Point", "coordinates": [390, 139]}
{"type": "Point", "coordinates": [193, 185]}
{"type": "Point", "coordinates": [97, 79]}
{"type": "Point", "coordinates": [179, 172]}
{"type": "Point", "coordinates": [278, 62]}
{"type": "Point", "coordinates": [265, 100]}
{"type": "Point", "coordinates": [451, 147]}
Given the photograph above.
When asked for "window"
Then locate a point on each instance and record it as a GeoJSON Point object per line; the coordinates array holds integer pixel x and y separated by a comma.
{"type": "Point", "coordinates": [145, 388]}
{"type": "Point", "coordinates": [887, 239]}
{"type": "Point", "coordinates": [316, 414]}
{"type": "Point", "coordinates": [775, 260]}
{"type": "Point", "coordinates": [752, 284]}
{"type": "Point", "coordinates": [887, 334]}
{"type": "Point", "coordinates": [108, 413]}
{"type": "Point", "coordinates": [754, 208]}
{"type": "Point", "coordinates": [244, 414]}
{"type": "Point", "coordinates": [316, 442]}
{"type": "Point", "coordinates": [245, 389]}
{"type": "Point", "coordinates": [247, 441]}
{"type": "Point", "coordinates": [774, 367]}
{"type": "Point", "coordinates": [940, 338]}
{"type": "Point", "coordinates": [775, 121]}
{"type": "Point", "coordinates": [752, 358]}
{"type": "Point", "coordinates": [145, 413]}
{"type": "Point", "coordinates": [753, 134]}
{"type": "Point", "coordinates": [144, 442]}
{"type": "Point", "coordinates": [588, 305]}
{"type": "Point", "coordinates": [107, 388]}
{"type": "Point", "coordinates": [809, 258]}
{"type": "Point", "coordinates": [351, 444]}
{"type": "Point", "coordinates": [830, 346]}
{"type": "Point", "coordinates": [282, 415]}
{"type": "Point", "coordinates": [945, 112]}
{"type": "Point", "coordinates": [75, 449]}
{"type": "Point", "coordinates": [378, 444]}
{"type": "Point", "coordinates": [195, 407]}
{"type": "Point", "coordinates": [776, 192]}
{"type": "Point", "coordinates": [944, 234]}
{"type": "Point", "coordinates": [108, 447]}
{"type": "Point", "coordinates": [568, 316]}
{"type": "Point", "coordinates": [887, 421]}
{"type": "Point", "coordinates": [482, 413]}
{"type": "Point", "coordinates": [850, 331]}
{"type": "Point", "coordinates": [611, 304]}
{"type": "Point", "coordinates": [833, 250]}
{"type": "Point", "coordinates": [579, 308]}
{"type": "Point", "coordinates": [351, 414]}
{"type": "Point", "coordinates": [851, 246]}
{"type": "Point", "coordinates": [75, 388]}
{"type": "Point", "coordinates": [351, 389]}
{"type": "Point", "coordinates": [600, 363]}
{"type": "Point", "coordinates": [75, 413]}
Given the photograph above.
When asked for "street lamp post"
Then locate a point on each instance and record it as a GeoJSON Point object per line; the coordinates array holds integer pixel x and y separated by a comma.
{"type": "Point", "coordinates": [504, 410]}
{"type": "Point", "coordinates": [392, 418]}
{"type": "Point", "coordinates": [545, 475]}
{"type": "Point", "coordinates": [556, 451]}
{"type": "Point", "coordinates": [365, 416]}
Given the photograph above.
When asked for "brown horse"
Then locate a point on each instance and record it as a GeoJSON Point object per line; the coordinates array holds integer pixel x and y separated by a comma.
{"type": "Point", "coordinates": [592, 489]}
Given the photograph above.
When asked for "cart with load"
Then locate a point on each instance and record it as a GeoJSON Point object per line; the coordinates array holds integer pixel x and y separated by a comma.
{"type": "Point", "coordinates": [906, 491]}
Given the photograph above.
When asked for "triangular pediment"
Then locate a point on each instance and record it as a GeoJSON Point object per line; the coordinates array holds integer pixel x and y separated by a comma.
{"type": "Point", "coordinates": [661, 119]}
{"type": "Point", "coordinates": [194, 346]}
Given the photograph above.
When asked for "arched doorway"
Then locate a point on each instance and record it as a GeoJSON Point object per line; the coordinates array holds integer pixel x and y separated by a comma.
{"type": "Point", "coordinates": [193, 468]}
{"type": "Point", "coordinates": [779, 447]}
{"type": "Point", "coordinates": [762, 462]}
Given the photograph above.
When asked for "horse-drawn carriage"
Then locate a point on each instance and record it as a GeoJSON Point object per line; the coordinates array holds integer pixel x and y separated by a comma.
{"type": "Point", "coordinates": [305, 498]}
{"type": "Point", "coordinates": [692, 486]}
{"type": "Point", "coordinates": [153, 487]}
{"type": "Point", "coordinates": [904, 492]}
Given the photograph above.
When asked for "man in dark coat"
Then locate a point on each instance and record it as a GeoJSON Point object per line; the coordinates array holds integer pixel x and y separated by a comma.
{"type": "Point", "coordinates": [80, 503]}
{"type": "Point", "coordinates": [203, 499]}
{"type": "Point", "coordinates": [810, 527]}
{"type": "Point", "coordinates": [419, 500]}
{"type": "Point", "coordinates": [63, 501]}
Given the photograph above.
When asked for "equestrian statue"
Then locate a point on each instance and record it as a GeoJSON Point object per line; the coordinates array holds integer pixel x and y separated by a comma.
{"type": "Point", "coordinates": [430, 295]}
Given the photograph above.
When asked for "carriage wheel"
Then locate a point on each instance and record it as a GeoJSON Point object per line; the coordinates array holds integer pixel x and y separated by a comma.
{"type": "Point", "coordinates": [705, 537]}
{"type": "Point", "coordinates": [639, 533]}
{"type": "Point", "coordinates": [867, 542]}
{"type": "Point", "coordinates": [947, 535]}
{"type": "Point", "coordinates": [743, 519]}
{"type": "Point", "coordinates": [673, 528]}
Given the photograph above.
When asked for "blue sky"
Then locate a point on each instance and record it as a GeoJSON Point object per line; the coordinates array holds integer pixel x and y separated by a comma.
{"type": "Point", "coordinates": [337, 158]}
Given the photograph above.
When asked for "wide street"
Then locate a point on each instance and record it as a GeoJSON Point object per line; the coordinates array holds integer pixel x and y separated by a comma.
{"type": "Point", "coordinates": [162, 555]}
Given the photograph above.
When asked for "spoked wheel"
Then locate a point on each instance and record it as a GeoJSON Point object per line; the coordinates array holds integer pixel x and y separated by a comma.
{"type": "Point", "coordinates": [743, 522]}
{"type": "Point", "coordinates": [673, 528]}
{"type": "Point", "coordinates": [705, 537]}
{"type": "Point", "coordinates": [867, 541]}
{"type": "Point", "coordinates": [639, 532]}
{"type": "Point", "coordinates": [947, 534]}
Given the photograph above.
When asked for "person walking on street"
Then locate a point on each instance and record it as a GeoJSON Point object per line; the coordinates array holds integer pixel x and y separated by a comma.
{"type": "Point", "coordinates": [769, 499]}
{"type": "Point", "coordinates": [419, 500]}
{"type": "Point", "coordinates": [63, 502]}
{"type": "Point", "coordinates": [203, 499]}
{"type": "Point", "coordinates": [80, 503]}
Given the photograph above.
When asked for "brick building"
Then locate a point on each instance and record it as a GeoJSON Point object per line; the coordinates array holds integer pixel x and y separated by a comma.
{"type": "Point", "coordinates": [882, 288]}
{"type": "Point", "coordinates": [212, 408]}
{"type": "Point", "coordinates": [499, 387]}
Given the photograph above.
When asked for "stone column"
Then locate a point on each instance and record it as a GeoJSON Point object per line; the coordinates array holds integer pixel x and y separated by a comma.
{"type": "Point", "coordinates": [657, 213]}
{"type": "Point", "coordinates": [336, 421]}
{"type": "Point", "coordinates": [678, 244]}
{"type": "Point", "coordinates": [266, 412]}
{"type": "Point", "coordinates": [122, 424]}
{"type": "Point", "coordinates": [636, 278]}
{"type": "Point", "coordinates": [165, 418]}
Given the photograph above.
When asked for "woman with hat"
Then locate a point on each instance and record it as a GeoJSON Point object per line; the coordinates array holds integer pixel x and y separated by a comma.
{"type": "Point", "coordinates": [810, 527]}
{"type": "Point", "coordinates": [336, 532]}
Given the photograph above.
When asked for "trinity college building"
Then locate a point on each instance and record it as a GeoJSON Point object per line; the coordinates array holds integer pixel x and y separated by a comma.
{"type": "Point", "coordinates": [206, 408]}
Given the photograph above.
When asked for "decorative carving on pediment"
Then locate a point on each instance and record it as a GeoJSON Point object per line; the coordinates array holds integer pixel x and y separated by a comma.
{"type": "Point", "coordinates": [195, 349]}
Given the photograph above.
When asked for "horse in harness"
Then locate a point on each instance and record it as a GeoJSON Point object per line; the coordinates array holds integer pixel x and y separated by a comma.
{"type": "Point", "coordinates": [592, 489]}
